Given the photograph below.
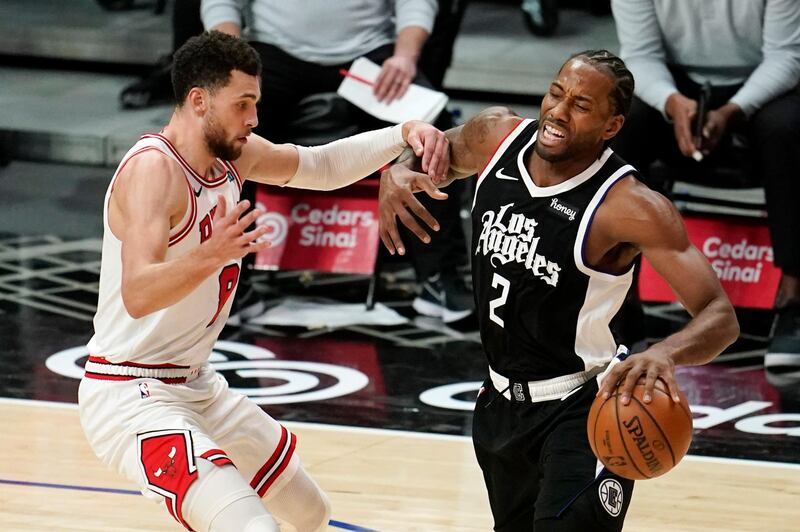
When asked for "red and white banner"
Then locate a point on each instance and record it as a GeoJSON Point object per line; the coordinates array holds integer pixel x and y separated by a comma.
{"type": "Point", "coordinates": [739, 250]}
{"type": "Point", "coordinates": [334, 231]}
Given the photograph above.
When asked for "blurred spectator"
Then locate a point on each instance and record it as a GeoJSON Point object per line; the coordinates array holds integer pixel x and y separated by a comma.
{"type": "Point", "coordinates": [749, 53]}
{"type": "Point", "coordinates": [155, 87]}
{"type": "Point", "coordinates": [303, 51]}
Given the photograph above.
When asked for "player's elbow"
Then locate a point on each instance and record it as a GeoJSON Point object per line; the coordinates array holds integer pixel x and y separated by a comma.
{"type": "Point", "coordinates": [727, 326]}
{"type": "Point", "coordinates": [135, 304]}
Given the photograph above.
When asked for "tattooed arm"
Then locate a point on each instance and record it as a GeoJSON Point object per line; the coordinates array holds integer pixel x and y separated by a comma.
{"type": "Point", "coordinates": [471, 147]}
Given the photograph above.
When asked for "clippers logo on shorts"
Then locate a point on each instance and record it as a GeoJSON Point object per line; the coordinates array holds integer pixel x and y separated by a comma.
{"type": "Point", "coordinates": [511, 238]}
{"type": "Point", "coordinates": [166, 459]}
{"type": "Point", "coordinates": [519, 395]}
{"type": "Point", "coordinates": [611, 496]}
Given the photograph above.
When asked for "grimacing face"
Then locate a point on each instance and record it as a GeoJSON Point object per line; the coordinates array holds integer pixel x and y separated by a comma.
{"type": "Point", "coordinates": [576, 113]}
{"type": "Point", "coordinates": [231, 116]}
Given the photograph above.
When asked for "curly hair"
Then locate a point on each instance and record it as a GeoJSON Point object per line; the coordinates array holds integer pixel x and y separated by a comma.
{"type": "Point", "coordinates": [207, 61]}
{"type": "Point", "coordinates": [615, 68]}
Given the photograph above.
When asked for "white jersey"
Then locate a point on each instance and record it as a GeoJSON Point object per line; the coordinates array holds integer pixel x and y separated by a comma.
{"type": "Point", "coordinates": [184, 333]}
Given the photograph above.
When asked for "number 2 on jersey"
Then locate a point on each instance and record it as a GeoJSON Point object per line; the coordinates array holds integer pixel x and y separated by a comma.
{"type": "Point", "coordinates": [498, 302]}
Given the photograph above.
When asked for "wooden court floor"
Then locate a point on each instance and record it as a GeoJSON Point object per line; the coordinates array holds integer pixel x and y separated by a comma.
{"type": "Point", "coordinates": [377, 480]}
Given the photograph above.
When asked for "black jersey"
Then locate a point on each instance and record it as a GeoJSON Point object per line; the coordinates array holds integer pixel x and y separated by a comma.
{"type": "Point", "coordinates": [543, 311]}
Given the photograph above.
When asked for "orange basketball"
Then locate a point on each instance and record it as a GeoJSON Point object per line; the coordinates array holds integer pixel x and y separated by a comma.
{"type": "Point", "coordinates": [640, 441]}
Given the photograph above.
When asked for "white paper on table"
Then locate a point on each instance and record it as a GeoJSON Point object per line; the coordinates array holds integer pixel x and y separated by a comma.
{"type": "Point", "coordinates": [418, 103]}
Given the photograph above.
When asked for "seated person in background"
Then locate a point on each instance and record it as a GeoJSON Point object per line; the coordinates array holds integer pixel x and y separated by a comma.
{"type": "Point", "coordinates": [303, 51]}
{"type": "Point", "coordinates": [749, 52]}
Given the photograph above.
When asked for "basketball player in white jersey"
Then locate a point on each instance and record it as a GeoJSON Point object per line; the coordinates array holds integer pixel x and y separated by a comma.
{"type": "Point", "coordinates": [150, 404]}
{"type": "Point", "coordinates": [558, 220]}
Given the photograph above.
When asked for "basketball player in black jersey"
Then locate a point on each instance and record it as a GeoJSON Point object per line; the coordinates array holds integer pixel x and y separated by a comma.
{"type": "Point", "coordinates": [558, 219]}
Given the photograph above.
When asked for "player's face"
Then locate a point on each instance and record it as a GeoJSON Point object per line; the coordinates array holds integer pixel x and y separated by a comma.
{"type": "Point", "coordinates": [577, 115]}
{"type": "Point", "coordinates": [232, 116]}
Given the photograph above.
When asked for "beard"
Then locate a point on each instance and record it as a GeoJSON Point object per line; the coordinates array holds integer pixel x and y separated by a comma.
{"type": "Point", "coordinates": [217, 143]}
{"type": "Point", "coordinates": [551, 157]}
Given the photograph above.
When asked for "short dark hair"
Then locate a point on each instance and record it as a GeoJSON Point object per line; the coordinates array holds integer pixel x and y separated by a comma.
{"type": "Point", "coordinates": [207, 61]}
{"type": "Point", "coordinates": [614, 67]}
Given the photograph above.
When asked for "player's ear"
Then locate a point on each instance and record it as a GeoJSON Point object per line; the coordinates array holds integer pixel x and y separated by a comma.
{"type": "Point", "coordinates": [613, 125]}
{"type": "Point", "coordinates": [197, 99]}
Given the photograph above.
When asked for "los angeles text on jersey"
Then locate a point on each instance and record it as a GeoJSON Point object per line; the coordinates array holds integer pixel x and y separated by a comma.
{"type": "Point", "coordinates": [511, 238]}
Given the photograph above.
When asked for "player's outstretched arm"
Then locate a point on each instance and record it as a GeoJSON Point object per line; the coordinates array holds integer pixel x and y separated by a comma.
{"type": "Point", "coordinates": [341, 162]}
{"type": "Point", "coordinates": [635, 214]}
{"type": "Point", "coordinates": [149, 196]}
{"type": "Point", "coordinates": [471, 146]}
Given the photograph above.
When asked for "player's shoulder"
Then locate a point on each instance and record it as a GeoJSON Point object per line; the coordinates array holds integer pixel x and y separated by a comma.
{"type": "Point", "coordinates": [487, 129]}
{"type": "Point", "coordinates": [152, 165]}
{"type": "Point", "coordinates": [632, 212]}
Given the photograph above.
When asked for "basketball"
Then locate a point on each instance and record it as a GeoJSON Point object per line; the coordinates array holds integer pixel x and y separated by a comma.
{"type": "Point", "coordinates": [640, 440]}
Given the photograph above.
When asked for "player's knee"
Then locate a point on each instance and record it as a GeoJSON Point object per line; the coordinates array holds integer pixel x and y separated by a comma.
{"type": "Point", "coordinates": [220, 500]}
{"type": "Point", "coordinates": [301, 505]}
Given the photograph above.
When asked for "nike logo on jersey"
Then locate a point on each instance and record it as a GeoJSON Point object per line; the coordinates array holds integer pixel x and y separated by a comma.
{"type": "Point", "coordinates": [230, 176]}
{"type": "Point", "coordinates": [501, 175]}
{"type": "Point", "coordinates": [198, 191]}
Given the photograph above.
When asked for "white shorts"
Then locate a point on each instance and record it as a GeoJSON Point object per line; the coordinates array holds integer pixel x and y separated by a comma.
{"type": "Point", "coordinates": [152, 432]}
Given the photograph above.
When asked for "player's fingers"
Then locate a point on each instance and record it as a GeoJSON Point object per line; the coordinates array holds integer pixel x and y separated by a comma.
{"type": "Point", "coordinates": [238, 210]}
{"type": "Point", "coordinates": [444, 161]}
{"type": "Point", "coordinates": [425, 183]}
{"type": "Point", "coordinates": [412, 225]}
{"type": "Point", "coordinates": [255, 247]}
{"type": "Point", "coordinates": [672, 386]}
{"type": "Point", "coordinates": [649, 384]}
{"type": "Point", "coordinates": [251, 236]}
{"type": "Point", "coordinates": [610, 381]}
{"type": "Point", "coordinates": [222, 208]}
{"type": "Point", "coordinates": [628, 384]}
{"type": "Point", "coordinates": [430, 150]}
{"type": "Point", "coordinates": [393, 235]}
{"type": "Point", "coordinates": [415, 142]}
{"type": "Point", "coordinates": [249, 218]}
{"type": "Point", "coordinates": [436, 142]}
{"type": "Point", "coordinates": [386, 239]}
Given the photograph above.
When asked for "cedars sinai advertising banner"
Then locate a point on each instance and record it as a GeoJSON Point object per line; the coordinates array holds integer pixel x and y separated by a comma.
{"type": "Point", "coordinates": [740, 252]}
{"type": "Point", "coordinates": [323, 231]}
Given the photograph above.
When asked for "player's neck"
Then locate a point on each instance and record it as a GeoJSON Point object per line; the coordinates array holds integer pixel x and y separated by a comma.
{"type": "Point", "coordinates": [549, 173]}
{"type": "Point", "coordinates": [188, 139]}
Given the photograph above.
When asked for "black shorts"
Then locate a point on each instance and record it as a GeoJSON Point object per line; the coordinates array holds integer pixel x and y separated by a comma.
{"type": "Point", "coordinates": [538, 467]}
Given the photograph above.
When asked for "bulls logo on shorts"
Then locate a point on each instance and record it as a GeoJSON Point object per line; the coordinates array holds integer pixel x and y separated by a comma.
{"type": "Point", "coordinates": [166, 458]}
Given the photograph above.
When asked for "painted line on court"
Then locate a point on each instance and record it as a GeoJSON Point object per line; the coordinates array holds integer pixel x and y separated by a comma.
{"type": "Point", "coordinates": [332, 522]}
{"type": "Point", "coordinates": [414, 435]}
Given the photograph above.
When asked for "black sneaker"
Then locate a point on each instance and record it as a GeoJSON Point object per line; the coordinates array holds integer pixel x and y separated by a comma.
{"type": "Point", "coordinates": [541, 16]}
{"type": "Point", "coordinates": [445, 297]}
{"type": "Point", "coordinates": [782, 360]}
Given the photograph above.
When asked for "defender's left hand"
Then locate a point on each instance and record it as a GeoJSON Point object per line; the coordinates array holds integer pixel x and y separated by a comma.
{"type": "Point", "coordinates": [431, 145]}
{"type": "Point", "coordinates": [651, 364]}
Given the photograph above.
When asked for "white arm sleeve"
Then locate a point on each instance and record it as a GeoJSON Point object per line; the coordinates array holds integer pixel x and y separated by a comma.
{"type": "Point", "coordinates": [345, 161]}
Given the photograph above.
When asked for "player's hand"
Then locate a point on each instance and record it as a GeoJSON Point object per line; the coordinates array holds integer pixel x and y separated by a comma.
{"type": "Point", "coordinates": [431, 145]}
{"type": "Point", "coordinates": [396, 200]}
{"type": "Point", "coordinates": [228, 240]}
{"type": "Point", "coordinates": [651, 364]}
{"type": "Point", "coordinates": [682, 111]}
{"type": "Point", "coordinates": [718, 122]}
{"type": "Point", "coordinates": [395, 76]}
